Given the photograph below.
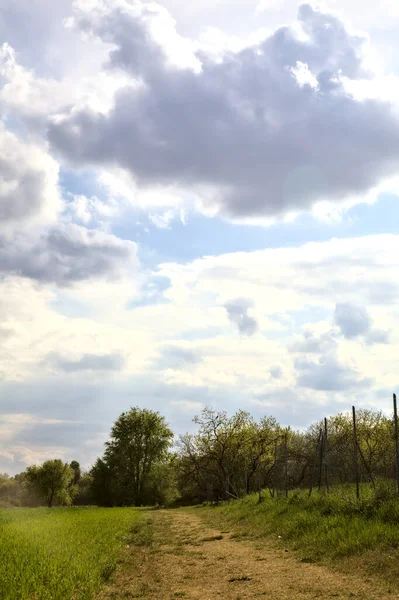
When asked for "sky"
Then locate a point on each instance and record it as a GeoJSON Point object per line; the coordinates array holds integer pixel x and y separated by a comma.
{"type": "Point", "coordinates": [198, 207]}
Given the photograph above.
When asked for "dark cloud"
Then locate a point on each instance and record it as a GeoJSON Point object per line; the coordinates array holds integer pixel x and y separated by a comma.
{"type": "Point", "coordinates": [57, 434]}
{"type": "Point", "coordinates": [328, 374]}
{"type": "Point", "coordinates": [66, 254]}
{"type": "Point", "coordinates": [88, 362]}
{"type": "Point", "coordinates": [177, 357]}
{"type": "Point", "coordinates": [250, 126]}
{"type": "Point", "coordinates": [237, 311]}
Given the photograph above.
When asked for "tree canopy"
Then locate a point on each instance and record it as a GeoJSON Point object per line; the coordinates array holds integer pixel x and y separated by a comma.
{"type": "Point", "coordinates": [138, 444]}
{"type": "Point", "coordinates": [52, 481]}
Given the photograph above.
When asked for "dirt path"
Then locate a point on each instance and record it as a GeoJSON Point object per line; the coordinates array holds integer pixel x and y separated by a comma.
{"type": "Point", "coordinates": [186, 559]}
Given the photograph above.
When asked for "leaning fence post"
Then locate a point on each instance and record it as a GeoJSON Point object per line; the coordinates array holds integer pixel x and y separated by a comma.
{"type": "Point", "coordinates": [395, 416]}
{"type": "Point", "coordinates": [355, 452]}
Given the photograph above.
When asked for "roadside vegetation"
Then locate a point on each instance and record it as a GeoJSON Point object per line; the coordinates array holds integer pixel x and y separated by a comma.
{"type": "Point", "coordinates": [144, 463]}
{"type": "Point", "coordinates": [336, 529]}
{"type": "Point", "coordinates": [61, 553]}
{"type": "Point", "coordinates": [330, 492]}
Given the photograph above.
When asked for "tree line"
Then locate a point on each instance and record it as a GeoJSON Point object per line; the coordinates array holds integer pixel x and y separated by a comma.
{"type": "Point", "coordinates": [227, 457]}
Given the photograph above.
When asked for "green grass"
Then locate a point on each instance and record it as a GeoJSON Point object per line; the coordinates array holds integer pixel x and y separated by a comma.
{"type": "Point", "coordinates": [60, 553]}
{"type": "Point", "coordinates": [324, 528]}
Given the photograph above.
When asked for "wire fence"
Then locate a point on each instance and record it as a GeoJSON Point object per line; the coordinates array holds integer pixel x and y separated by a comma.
{"type": "Point", "coordinates": [357, 448]}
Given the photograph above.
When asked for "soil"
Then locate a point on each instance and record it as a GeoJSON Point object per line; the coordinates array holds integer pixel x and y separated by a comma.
{"type": "Point", "coordinates": [181, 557]}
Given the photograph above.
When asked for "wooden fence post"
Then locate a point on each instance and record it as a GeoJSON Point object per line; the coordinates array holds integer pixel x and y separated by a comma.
{"type": "Point", "coordinates": [259, 488]}
{"type": "Point", "coordinates": [275, 469]}
{"type": "Point", "coordinates": [395, 416]}
{"type": "Point", "coordinates": [325, 454]}
{"type": "Point", "coordinates": [286, 464]}
{"type": "Point", "coordinates": [356, 463]}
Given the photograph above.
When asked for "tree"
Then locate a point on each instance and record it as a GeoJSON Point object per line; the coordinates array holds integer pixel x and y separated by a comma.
{"type": "Point", "coordinates": [75, 466]}
{"type": "Point", "coordinates": [139, 443]}
{"type": "Point", "coordinates": [226, 456]}
{"type": "Point", "coordinates": [84, 494]}
{"type": "Point", "coordinates": [52, 481]}
{"type": "Point", "coordinates": [103, 484]}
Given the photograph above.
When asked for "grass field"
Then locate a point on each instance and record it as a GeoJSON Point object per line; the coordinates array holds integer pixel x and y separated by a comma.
{"type": "Point", "coordinates": [334, 529]}
{"type": "Point", "coordinates": [60, 553]}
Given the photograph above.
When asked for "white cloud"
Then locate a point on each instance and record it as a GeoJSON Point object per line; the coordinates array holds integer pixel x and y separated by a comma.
{"type": "Point", "coordinates": [188, 350]}
{"type": "Point", "coordinates": [33, 98]}
{"type": "Point", "coordinates": [29, 193]}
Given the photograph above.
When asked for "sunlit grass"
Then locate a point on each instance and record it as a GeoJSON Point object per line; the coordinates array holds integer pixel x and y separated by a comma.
{"type": "Point", "coordinates": [60, 553]}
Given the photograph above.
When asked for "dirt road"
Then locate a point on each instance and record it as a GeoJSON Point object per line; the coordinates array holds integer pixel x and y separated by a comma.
{"type": "Point", "coordinates": [182, 558]}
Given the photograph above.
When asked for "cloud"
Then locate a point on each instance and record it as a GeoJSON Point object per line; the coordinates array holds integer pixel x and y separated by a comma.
{"type": "Point", "coordinates": [32, 243]}
{"type": "Point", "coordinates": [276, 372]}
{"type": "Point", "coordinates": [177, 357]}
{"type": "Point", "coordinates": [377, 336]}
{"type": "Point", "coordinates": [88, 362]}
{"type": "Point", "coordinates": [237, 311]}
{"type": "Point", "coordinates": [354, 321]}
{"type": "Point", "coordinates": [249, 132]}
{"type": "Point", "coordinates": [66, 254]}
{"type": "Point", "coordinates": [328, 374]}
{"type": "Point", "coordinates": [29, 193]}
{"type": "Point", "coordinates": [311, 343]}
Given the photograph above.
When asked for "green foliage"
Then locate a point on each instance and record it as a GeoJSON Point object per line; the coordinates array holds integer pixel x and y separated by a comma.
{"type": "Point", "coordinates": [103, 484]}
{"type": "Point", "coordinates": [60, 554]}
{"type": "Point", "coordinates": [75, 466]}
{"type": "Point", "coordinates": [224, 456]}
{"type": "Point", "coordinates": [229, 456]}
{"type": "Point", "coordinates": [11, 491]}
{"type": "Point", "coordinates": [53, 481]}
{"type": "Point", "coordinates": [84, 495]}
{"type": "Point", "coordinates": [135, 457]}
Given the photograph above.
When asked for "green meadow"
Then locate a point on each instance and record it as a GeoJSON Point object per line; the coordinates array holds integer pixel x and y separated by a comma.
{"type": "Point", "coordinates": [60, 553]}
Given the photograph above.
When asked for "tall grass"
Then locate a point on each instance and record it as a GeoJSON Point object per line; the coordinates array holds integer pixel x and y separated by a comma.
{"type": "Point", "coordinates": [60, 553]}
{"type": "Point", "coordinates": [323, 527]}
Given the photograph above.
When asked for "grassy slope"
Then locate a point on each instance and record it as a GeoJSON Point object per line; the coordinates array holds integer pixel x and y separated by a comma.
{"type": "Point", "coordinates": [333, 529]}
{"type": "Point", "coordinates": [60, 553]}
